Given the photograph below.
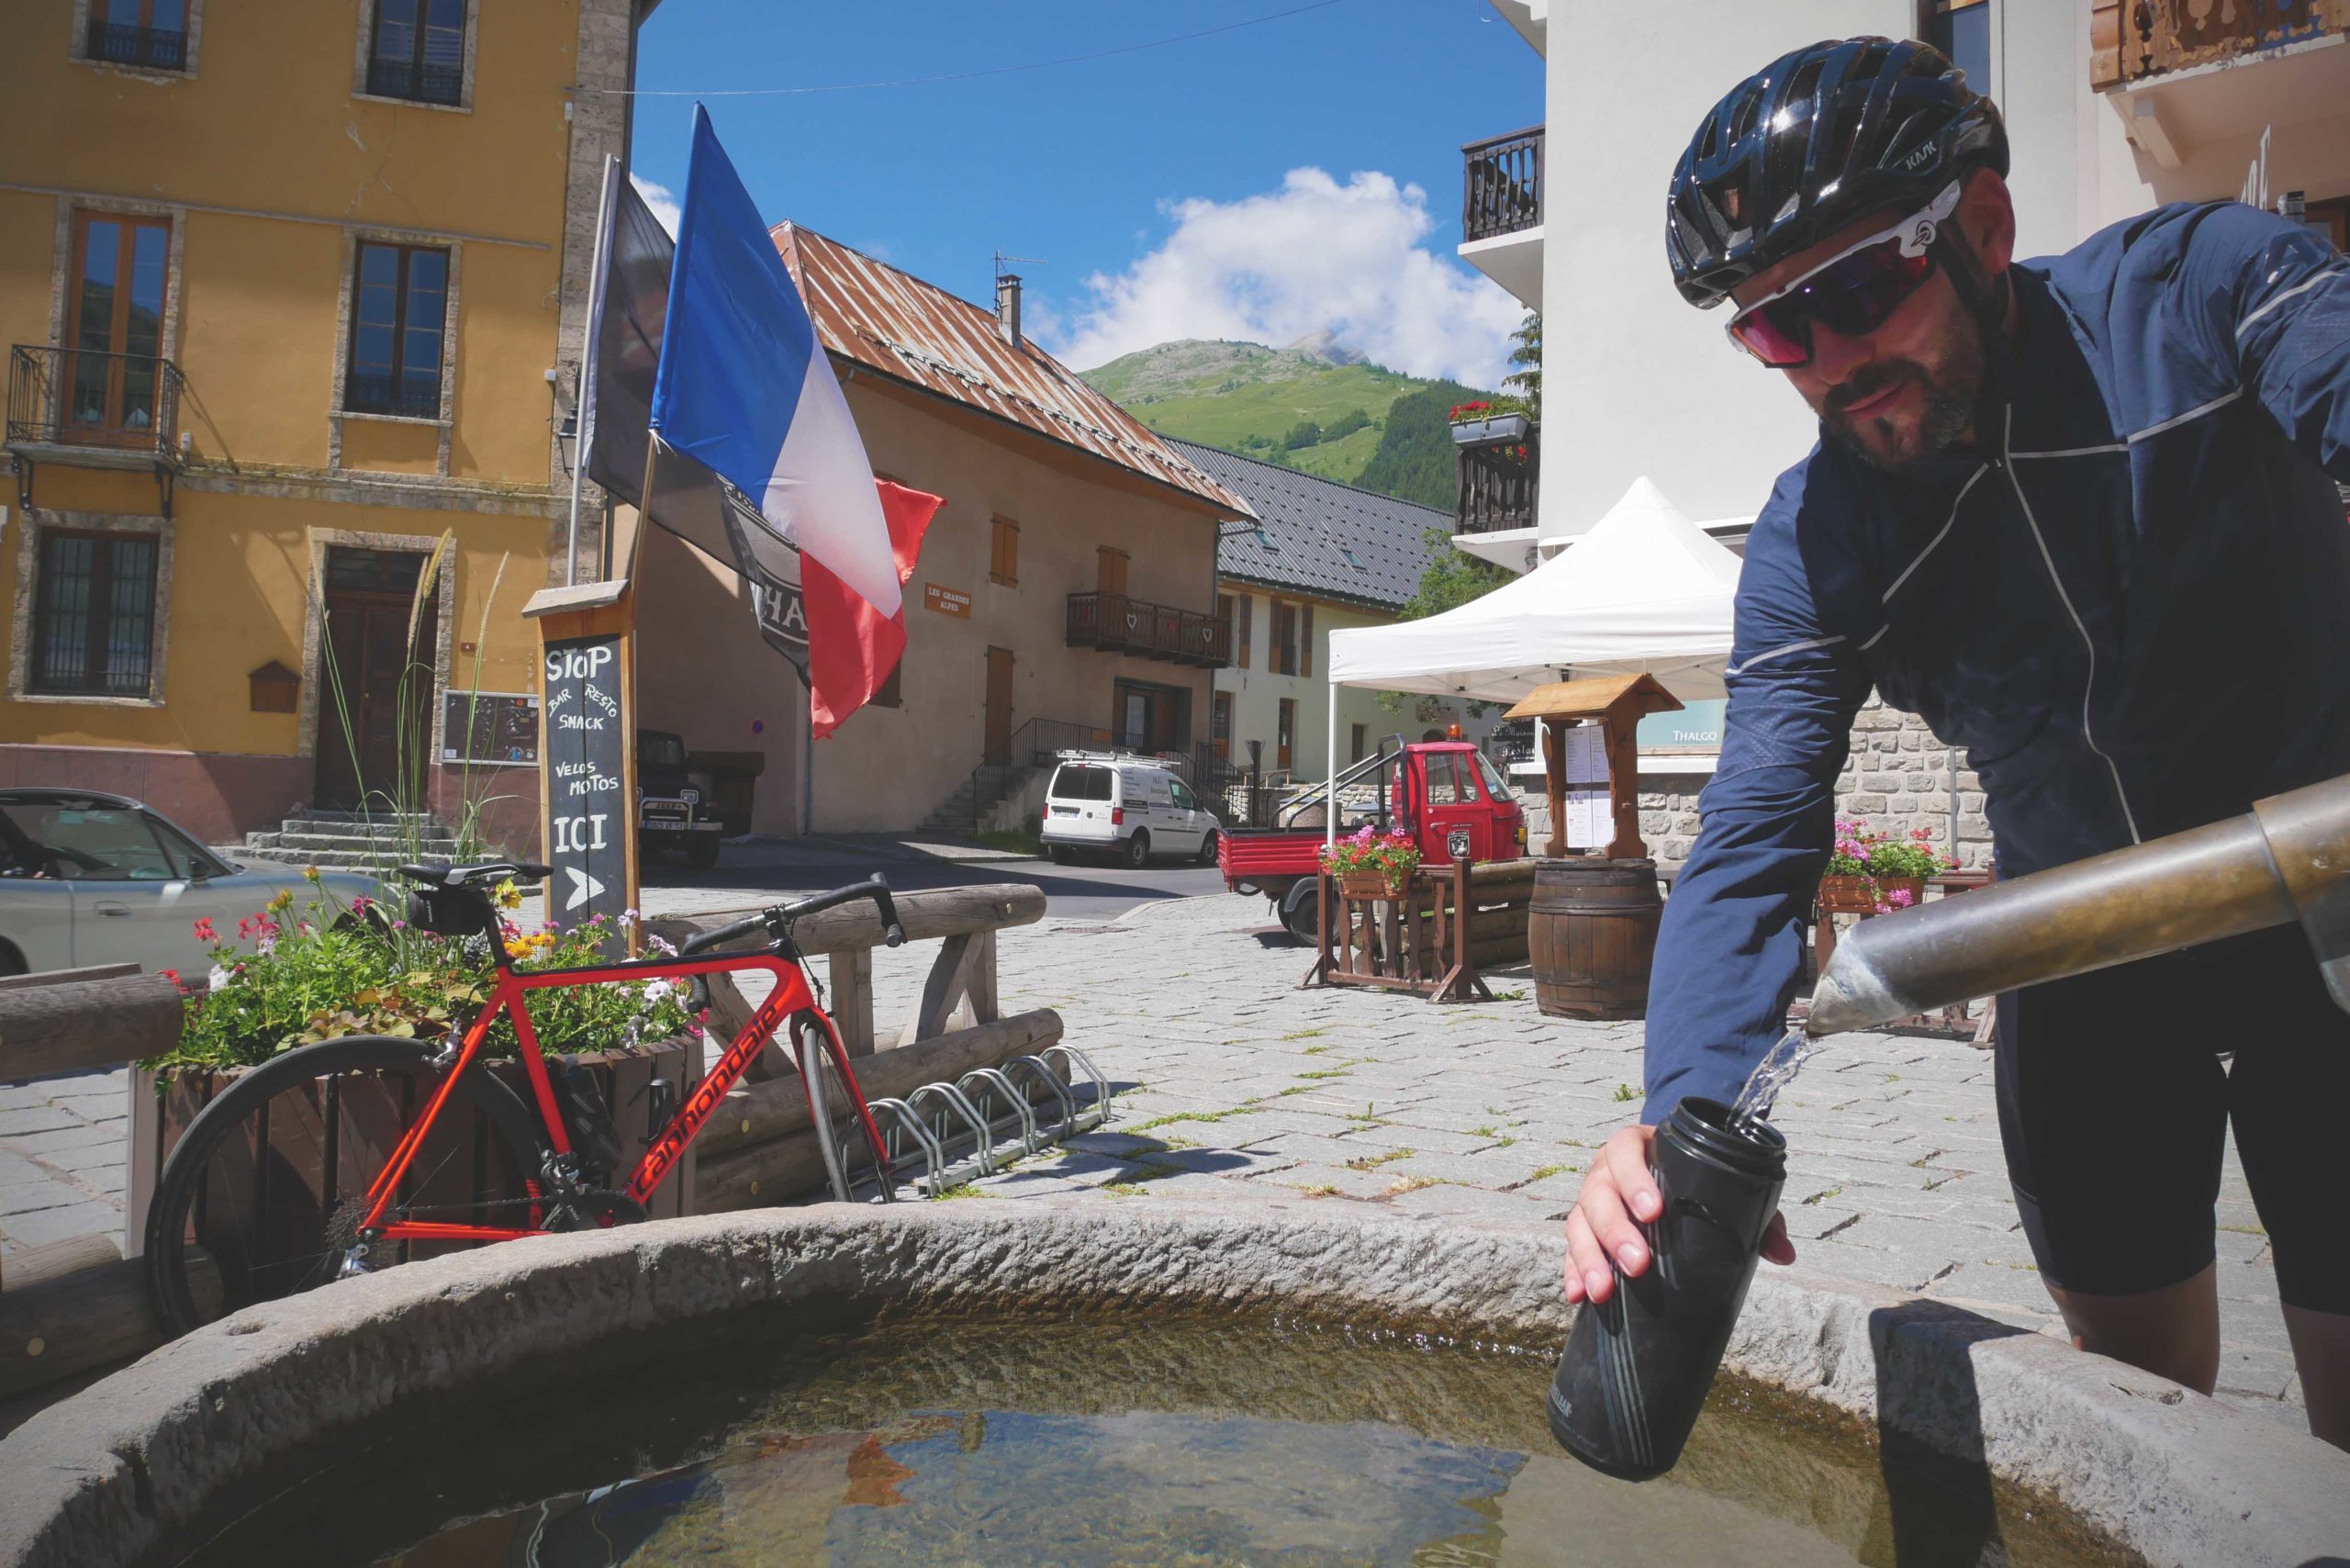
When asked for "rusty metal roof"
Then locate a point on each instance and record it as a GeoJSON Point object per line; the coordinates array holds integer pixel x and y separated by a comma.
{"type": "Point", "coordinates": [918, 333]}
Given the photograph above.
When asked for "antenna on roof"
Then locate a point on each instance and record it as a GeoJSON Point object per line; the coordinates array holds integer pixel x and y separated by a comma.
{"type": "Point", "coordinates": [1007, 296]}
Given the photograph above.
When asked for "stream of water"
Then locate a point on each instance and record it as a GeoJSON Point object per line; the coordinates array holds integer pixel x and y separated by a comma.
{"type": "Point", "coordinates": [1772, 1073]}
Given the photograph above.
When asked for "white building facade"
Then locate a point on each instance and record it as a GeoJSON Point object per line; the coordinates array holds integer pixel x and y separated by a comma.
{"type": "Point", "coordinates": [2112, 107]}
{"type": "Point", "coordinates": [2105, 120]}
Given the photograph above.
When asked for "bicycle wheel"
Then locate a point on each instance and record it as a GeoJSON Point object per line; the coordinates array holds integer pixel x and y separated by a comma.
{"type": "Point", "coordinates": [270, 1178]}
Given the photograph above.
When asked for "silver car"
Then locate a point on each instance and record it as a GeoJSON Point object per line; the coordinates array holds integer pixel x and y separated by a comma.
{"type": "Point", "coordinates": [89, 878]}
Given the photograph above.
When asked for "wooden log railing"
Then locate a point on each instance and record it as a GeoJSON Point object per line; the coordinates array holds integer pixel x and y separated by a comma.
{"type": "Point", "coordinates": [85, 1020]}
{"type": "Point", "coordinates": [762, 1148]}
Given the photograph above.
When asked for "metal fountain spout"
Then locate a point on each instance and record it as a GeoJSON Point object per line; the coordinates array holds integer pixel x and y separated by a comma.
{"type": "Point", "coordinates": [2287, 859]}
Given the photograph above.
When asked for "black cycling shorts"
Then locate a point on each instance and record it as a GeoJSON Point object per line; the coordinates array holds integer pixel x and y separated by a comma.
{"type": "Point", "coordinates": [2115, 1104]}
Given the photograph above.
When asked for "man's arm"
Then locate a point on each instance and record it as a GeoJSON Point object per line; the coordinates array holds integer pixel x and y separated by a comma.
{"type": "Point", "coordinates": [1730, 948]}
{"type": "Point", "coordinates": [2272, 300]}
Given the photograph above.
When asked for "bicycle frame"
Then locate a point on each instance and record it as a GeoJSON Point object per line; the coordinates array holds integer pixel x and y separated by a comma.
{"type": "Point", "coordinates": [507, 998]}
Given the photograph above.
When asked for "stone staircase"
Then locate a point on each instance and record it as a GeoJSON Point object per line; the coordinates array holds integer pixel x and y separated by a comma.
{"type": "Point", "coordinates": [349, 840]}
{"type": "Point", "coordinates": [974, 799]}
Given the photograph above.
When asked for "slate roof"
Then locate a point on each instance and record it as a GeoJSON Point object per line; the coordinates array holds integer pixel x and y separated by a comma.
{"type": "Point", "coordinates": [1319, 536]}
{"type": "Point", "coordinates": [917, 333]}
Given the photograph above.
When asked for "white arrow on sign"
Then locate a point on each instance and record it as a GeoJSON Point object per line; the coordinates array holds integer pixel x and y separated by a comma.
{"type": "Point", "coordinates": [583, 887]}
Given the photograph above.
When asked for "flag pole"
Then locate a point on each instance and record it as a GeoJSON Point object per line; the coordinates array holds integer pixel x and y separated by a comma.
{"type": "Point", "coordinates": [582, 434]}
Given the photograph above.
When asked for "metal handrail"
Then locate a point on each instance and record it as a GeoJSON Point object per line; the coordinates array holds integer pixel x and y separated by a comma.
{"type": "Point", "coordinates": [121, 402]}
{"type": "Point", "coordinates": [1501, 185]}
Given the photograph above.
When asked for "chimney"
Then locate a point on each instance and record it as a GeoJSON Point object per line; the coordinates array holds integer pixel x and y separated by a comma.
{"type": "Point", "coordinates": [1007, 307]}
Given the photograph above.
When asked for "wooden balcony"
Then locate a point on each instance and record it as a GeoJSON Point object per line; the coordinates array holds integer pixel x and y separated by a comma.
{"type": "Point", "coordinates": [1115, 623]}
{"type": "Point", "coordinates": [1498, 485]}
{"type": "Point", "coordinates": [2134, 42]}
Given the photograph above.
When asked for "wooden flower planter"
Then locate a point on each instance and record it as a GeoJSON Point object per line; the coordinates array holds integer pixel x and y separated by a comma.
{"type": "Point", "coordinates": [292, 1191]}
{"type": "Point", "coordinates": [1847, 895]}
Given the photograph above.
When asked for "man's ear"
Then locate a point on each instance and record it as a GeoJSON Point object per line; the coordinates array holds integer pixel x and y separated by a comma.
{"type": "Point", "coordinates": [1986, 216]}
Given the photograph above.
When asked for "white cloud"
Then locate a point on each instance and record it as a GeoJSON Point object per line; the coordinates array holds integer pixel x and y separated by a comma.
{"type": "Point", "coordinates": [1314, 255]}
{"type": "Point", "coordinates": [661, 199]}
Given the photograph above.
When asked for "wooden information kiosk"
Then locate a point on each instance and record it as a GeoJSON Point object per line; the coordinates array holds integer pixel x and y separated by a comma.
{"type": "Point", "coordinates": [1591, 933]}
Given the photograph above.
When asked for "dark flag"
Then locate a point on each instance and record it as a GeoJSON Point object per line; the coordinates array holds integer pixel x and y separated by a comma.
{"type": "Point", "coordinates": [628, 297]}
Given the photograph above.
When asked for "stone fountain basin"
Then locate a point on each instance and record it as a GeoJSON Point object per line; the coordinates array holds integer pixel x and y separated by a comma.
{"type": "Point", "coordinates": [119, 1474]}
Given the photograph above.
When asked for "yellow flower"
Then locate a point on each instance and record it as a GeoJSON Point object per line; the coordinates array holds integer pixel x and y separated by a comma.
{"type": "Point", "coordinates": [508, 895]}
{"type": "Point", "coordinates": [309, 873]}
{"type": "Point", "coordinates": [519, 948]}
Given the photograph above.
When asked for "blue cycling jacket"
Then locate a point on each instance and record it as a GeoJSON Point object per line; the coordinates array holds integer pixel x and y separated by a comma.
{"type": "Point", "coordinates": [2133, 612]}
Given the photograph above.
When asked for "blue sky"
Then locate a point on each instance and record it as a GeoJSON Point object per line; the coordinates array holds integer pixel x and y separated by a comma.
{"type": "Point", "coordinates": [1268, 182]}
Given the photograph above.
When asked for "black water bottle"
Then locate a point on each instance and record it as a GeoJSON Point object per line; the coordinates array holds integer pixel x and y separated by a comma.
{"type": "Point", "coordinates": [1637, 1365]}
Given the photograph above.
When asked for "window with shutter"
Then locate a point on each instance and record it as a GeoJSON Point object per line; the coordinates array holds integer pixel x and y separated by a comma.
{"type": "Point", "coordinates": [1306, 639]}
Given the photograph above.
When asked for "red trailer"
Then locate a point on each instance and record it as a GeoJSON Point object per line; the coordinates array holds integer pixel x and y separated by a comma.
{"type": "Point", "coordinates": [1447, 794]}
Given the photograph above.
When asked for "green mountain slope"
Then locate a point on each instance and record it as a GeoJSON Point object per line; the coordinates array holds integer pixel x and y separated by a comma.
{"type": "Point", "coordinates": [1312, 406]}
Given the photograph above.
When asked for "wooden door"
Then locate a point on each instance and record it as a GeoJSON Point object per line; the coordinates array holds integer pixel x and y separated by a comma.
{"type": "Point", "coordinates": [998, 731]}
{"type": "Point", "coordinates": [115, 327]}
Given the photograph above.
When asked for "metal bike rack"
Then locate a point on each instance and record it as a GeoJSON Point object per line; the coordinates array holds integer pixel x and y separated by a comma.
{"type": "Point", "coordinates": [943, 1134]}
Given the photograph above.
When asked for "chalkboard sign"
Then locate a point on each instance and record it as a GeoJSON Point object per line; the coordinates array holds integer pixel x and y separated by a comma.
{"type": "Point", "coordinates": [590, 815]}
{"type": "Point", "coordinates": [489, 726]}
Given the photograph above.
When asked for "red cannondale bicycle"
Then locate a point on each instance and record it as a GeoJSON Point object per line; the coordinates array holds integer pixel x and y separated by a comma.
{"type": "Point", "coordinates": [423, 1149]}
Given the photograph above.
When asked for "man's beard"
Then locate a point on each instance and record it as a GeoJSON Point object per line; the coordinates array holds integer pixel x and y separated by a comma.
{"type": "Point", "coordinates": [1949, 399]}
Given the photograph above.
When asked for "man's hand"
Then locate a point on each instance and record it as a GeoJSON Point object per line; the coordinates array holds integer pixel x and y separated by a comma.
{"type": "Point", "coordinates": [1600, 1228]}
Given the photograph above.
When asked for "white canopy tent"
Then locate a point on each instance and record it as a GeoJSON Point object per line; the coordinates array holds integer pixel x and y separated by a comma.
{"type": "Point", "coordinates": [1646, 592]}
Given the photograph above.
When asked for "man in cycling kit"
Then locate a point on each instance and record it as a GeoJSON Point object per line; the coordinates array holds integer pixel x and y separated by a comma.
{"type": "Point", "coordinates": [2080, 514]}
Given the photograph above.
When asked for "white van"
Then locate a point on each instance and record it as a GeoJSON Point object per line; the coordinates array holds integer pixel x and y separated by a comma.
{"type": "Point", "coordinates": [1129, 805]}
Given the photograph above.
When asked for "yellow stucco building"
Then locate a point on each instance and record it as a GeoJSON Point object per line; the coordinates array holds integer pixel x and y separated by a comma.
{"type": "Point", "coordinates": [290, 290]}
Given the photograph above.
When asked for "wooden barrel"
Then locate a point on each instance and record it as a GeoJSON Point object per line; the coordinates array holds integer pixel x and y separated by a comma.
{"type": "Point", "coordinates": [1591, 935]}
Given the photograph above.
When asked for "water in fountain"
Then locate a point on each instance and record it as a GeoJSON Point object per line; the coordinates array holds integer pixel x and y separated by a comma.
{"type": "Point", "coordinates": [1772, 1074]}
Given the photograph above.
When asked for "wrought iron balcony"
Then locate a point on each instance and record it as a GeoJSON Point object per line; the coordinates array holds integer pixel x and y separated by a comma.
{"type": "Point", "coordinates": [2138, 40]}
{"type": "Point", "coordinates": [122, 43]}
{"type": "Point", "coordinates": [1115, 623]}
{"type": "Point", "coordinates": [1501, 185]}
{"type": "Point", "coordinates": [92, 410]}
{"type": "Point", "coordinates": [1498, 483]}
{"type": "Point", "coordinates": [70, 398]}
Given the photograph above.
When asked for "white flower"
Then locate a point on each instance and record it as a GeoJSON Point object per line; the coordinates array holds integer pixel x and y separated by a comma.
{"type": "Point", "coordinates": [662, 946]}
{"type": "Point", "coordinates": [266, 946]}
{"type": "Point", "coordinates": [629, 917]}
{"type": "Point", "coordinates": [657, 991]}
{"type": "Point", "coordinates": [218, 979]}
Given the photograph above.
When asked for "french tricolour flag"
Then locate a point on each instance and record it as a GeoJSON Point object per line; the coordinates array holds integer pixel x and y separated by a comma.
{"type": "Point", "coordinates": [745, 388]}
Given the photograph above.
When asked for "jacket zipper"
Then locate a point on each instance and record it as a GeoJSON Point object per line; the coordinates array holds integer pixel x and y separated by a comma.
{"type": "Point", "coordinates": [2089, 688]}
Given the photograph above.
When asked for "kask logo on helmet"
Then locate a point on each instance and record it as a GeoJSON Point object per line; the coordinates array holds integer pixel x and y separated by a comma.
{"type": "Point", "coordinates": [1918, 159]}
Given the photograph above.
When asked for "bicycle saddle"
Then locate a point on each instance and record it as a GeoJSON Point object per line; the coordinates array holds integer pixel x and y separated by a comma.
{"type": "Point", "coordinates": [493, 871]}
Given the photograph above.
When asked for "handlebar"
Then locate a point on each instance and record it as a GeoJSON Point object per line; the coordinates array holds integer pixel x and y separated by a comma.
{"type": "Point", "coordinates": [776, 921]}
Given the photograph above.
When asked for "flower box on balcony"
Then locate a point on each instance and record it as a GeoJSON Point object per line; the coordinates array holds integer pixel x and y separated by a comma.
{"type": "Point", "coordinates": [1492, 428]}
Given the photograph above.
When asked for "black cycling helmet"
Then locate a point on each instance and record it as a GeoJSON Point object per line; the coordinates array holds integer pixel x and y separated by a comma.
{"type": "Point", "coordinates": [1815, 138]}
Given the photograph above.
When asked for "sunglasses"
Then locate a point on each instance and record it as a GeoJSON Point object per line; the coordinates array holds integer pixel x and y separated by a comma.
{"type": "Point", "coordinates": [1853, 292]}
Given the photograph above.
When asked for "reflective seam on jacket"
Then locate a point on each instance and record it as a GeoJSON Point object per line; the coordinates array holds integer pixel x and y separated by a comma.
{"type": "Point", "coordinates": [1782, 653]}
{"type": "Point", "coordinates": [2088, 687]}
{"type": "Point", "coordinates": [2305, 284]}
{"type": "Point", "coordinates": [2195, 413]}
{"type": "Point", "coordinates": [1948, 522]}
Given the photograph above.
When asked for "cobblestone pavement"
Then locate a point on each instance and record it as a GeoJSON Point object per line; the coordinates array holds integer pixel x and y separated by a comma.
{"type": "Point", "coordinates": [1232, 1081]}
{"type": "Point", "coordinates": [1236, 1080]}
{"type": "Point", "coordinates": [62, 1158]}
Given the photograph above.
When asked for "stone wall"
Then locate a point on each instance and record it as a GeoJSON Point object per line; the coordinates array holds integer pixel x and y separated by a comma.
{"type": "Point", "coordinates": [1899, 778]}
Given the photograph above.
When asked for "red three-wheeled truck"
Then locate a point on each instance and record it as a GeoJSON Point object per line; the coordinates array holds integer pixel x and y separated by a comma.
{"type": "Point", "coordinates": [1446, 795]}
